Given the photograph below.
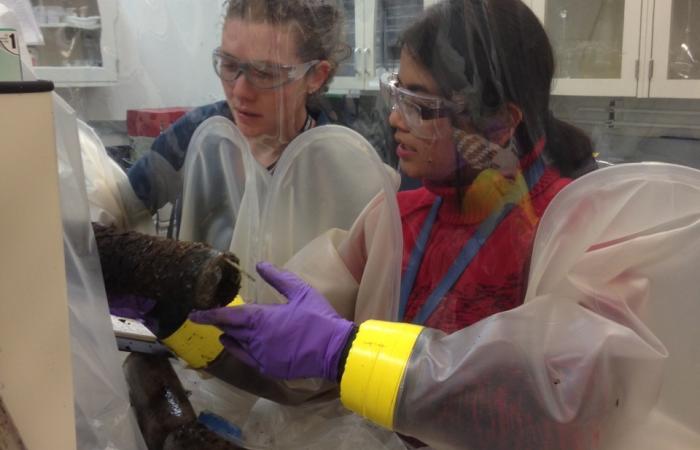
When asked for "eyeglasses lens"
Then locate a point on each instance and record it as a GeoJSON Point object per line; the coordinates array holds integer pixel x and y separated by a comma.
{"type": "Point", "coordinates": [259, 75]}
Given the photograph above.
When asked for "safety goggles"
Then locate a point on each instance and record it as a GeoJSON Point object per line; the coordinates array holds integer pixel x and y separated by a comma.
{"type": "Point", "coordinates": [418, 110]}
{"type": "Point", "coordinates": [260, 74]}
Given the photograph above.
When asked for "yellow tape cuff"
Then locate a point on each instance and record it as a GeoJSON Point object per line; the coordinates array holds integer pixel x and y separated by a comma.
{"type": "Point", "coordinates": [198, 345]}
{"type": "Point", "coordinates": [374, 369]}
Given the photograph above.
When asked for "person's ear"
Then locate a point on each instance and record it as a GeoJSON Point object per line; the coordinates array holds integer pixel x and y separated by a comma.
{"type": "Point", "coordinates": [318, 76]}
{"type": "Point", "coordinates": [516, 115]}
{"type": "Point", "coordinates": [513, 116]}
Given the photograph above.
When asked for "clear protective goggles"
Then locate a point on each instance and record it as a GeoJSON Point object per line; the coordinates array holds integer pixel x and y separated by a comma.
{"type": "Point", "coordinates": [418, 110]}
{"type": "Point", "coordinates": [263, 75]}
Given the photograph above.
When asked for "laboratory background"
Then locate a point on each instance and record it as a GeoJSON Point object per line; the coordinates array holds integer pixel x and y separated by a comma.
{"type": "Point", "coordinates": [627, 73]}
{"type": "Point", "coordinates": [625, 69]}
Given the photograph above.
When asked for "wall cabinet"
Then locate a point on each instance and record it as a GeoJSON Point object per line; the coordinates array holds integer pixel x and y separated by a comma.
{"type": "Point", "coordinates": [624, 48]}
{"type": "Point", "coordinates": [675, 49]}
{"type": "Point", "coordinates": [372, 28]}
{"type": "Point", "coordinates": [79, 45]}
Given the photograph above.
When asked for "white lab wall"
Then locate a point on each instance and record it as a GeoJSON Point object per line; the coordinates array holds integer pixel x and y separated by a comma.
{"type": "Point", "coordinates": [164, 59]}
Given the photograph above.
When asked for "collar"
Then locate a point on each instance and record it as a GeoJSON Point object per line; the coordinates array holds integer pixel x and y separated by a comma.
{"type": "Point", "coordinates": [484, 194]}
{"type": "Point", "coordinates": [309, 123]}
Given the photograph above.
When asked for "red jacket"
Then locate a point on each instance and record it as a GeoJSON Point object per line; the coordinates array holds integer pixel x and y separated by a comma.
{"type": "Point", "coordinates": [496, 279]}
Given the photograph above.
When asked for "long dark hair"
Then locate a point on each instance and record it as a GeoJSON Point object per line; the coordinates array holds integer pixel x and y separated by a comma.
{"type": "Point", "coordinates": [494, 52]}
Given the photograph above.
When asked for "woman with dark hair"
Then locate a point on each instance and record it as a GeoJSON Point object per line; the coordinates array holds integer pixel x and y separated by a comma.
{"type": "Point", "coordinates": [474, 367]}
{"type": "Point", "coordinates": [471, 114]}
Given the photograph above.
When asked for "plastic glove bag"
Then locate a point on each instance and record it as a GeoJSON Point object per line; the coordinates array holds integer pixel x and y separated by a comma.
{"type": "Point", "coordinates": [359, 270]}
{"type": "Point", "coordinates": [316, 425]}
{"type": "Point", "coordinates": [549, 374]}
{"type": "Point", "coordinates": [104, 419]}
{"type": "Point", "coordinates": [110, 195]}
{"type": "Point", "coordinates": [207, 393]}
{"type": "Point", "coordinates": [631, 233]}
{"type": "Point", "coordinates": [324, 180]}
{"type": "Point", "coordinates": [215, 177]}
{"type": "Point", "coordinates": [608, 328]}
{"type": "Point", "coordinates": [328, 181]}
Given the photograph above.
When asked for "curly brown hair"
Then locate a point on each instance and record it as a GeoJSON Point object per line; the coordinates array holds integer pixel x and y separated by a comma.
{"type": "Point", "coordinates": [318, 25]}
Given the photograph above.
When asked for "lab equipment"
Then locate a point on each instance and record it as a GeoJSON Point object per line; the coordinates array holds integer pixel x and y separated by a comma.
{"type": "Point", "coordinates": [32, 267]}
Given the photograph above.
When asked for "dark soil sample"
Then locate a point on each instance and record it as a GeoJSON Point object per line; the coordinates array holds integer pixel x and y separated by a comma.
{"type": "Point", "coordinates": [198, 436]}
{"type": "Point", "coordinates": [178, 275]}
{"type": "Point", "coordinates": [163, 411]}
{"type": "Point", "coordinates": [9, 436]}
{"type": "Point", "coordinates": [157, 396]}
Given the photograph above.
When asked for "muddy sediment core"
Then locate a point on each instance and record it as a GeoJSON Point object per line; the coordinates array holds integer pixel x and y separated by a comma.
{"type": "Point", "coordinates": [178, 275]}
{"type": "Point", "coordinates": [163, 411]}
{"type": "Point", "coordinates": [196, 435]}
{"type": "Point", "coordinates": [157, 396]}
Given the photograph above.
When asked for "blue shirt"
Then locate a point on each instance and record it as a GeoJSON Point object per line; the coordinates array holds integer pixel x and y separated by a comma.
{"type": "Point", "coordinates": [156, 178]}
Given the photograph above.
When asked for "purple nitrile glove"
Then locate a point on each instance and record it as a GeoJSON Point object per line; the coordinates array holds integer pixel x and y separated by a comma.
{"type": "Point", "coordinates": [129, 306]}
{"type": "Point", "coordinates": [303, 338]}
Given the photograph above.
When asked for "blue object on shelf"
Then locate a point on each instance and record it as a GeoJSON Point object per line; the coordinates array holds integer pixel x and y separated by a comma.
{"type": "Point", "coordinates": [220, 426]}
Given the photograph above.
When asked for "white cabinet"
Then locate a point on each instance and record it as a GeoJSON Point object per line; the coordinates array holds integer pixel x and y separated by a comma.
{"type": "Point", "coordinates": [349, 74]}
{"type": "Point", "coordinates": [79, 45]}
{"type": "Point", "coordinates": [372, 29]}
{"type": "Point", "coordinates": [624, 48]}
{"type": "Point", "coordinates": [675, 51]}
{"type": "Point", "coordinates": [596, 45]}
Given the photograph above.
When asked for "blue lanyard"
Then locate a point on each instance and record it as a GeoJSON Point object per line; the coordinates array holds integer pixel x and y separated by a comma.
{"type": "Point", "coordinates": [466, 255]}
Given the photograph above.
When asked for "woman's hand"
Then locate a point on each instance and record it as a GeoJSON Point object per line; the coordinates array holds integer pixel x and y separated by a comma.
{"type": "Point", "coordinates": [300, 339]}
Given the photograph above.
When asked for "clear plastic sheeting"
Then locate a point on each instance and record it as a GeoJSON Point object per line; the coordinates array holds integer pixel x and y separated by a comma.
{"type": "Point", "coordinates": [629, 236]}
{"type": "Point", "coordinates": [110, 196]}
{"type": "Point", "coordinates": [476, 103]}
{"type": "Point", "coordinates": [216, 171]}
{"type": "Point", "coordinates": [329, 197]}
{"type": "Point", "coordinates": [314, 426]}
{"type": "Point", "coordinates": [324, 179]}
{"type": "Point", "coordinates": [104, 419]}
{"type": "Point", "coordinates": [358, 271]}
{"type": "Point", "coordinates": [608, 328]}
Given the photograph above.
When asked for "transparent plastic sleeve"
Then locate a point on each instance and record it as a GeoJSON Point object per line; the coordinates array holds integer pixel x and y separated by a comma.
{"type": "Point", "coordinates": [606, 330]}
{"type": "Point", "coordinates": [328, 191]}
{"type": "Point", "coordinates": [110, 195]}
{"type": "Point", "coordinates": [104, 419]}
